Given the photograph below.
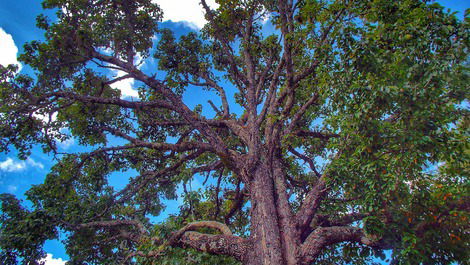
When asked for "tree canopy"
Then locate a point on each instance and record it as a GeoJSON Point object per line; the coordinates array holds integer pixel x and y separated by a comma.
{"type": "Point", "coordinates": [351, 142]}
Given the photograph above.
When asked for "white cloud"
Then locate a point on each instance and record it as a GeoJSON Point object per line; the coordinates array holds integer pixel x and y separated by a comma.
{"type": "Point", "coordinates": [10, 165]}
{"type": "Point", "coordinates": [189, 11]}
{"type": "Point", "coordinates": [124, 85]}
{"type": "Point", "coordinates": [46, 118]}
{"type": "Point", "coordinates": [49, 260]}
{"type": "Point", "coordinates": [33, 163]}
{"type": "Point", "coordinates": [8, 49]}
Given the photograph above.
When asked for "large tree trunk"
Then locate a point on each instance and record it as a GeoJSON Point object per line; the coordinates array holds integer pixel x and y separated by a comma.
{"type": "Point", "coordinates": [271, 232]}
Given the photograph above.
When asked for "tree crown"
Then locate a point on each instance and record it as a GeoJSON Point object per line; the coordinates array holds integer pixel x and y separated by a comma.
{"type": "Point", "coordinates": [355, 109]}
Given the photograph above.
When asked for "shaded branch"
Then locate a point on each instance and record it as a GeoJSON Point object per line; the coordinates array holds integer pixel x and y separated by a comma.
{"type": "Point", "coordinates": [238, 203]}
{"type": "Point", "coordinates": [326, 236]}
{"type": "Point", "coordinates": [178, 147]}
{"type": "Point", "coordinates": [212, 83]}
{"type": "Point", "coordinates": [306, 159]}
{"type": "Point", "coordinates": [313, 134]}
{"type": "Point", "coordinates": [134, 186]}
{"type": "Point", "coordinates": [117, 79]}
{"type": "Point", "coordinates": [107, 101]}
{"type": "Point", "coordinates": [217, 189]}
{"type": "Point", "coordinates": [268, 106]}
{"type": "Point", "coordinates": [311, 204]}
{"type": "Point", "coordinates": [300, 113]}
{"type": "Point", "coordinates": [113, 223]}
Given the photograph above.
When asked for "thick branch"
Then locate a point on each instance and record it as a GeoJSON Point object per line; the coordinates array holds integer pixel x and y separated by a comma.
{"type": "Point", "coordinates": [285, 13]}
{"type": "Point", "coordinates": [116, 223]}
{"type": "Point", "coordinates": [221, 244]}
{"type": "Point", "coordinates": [250, 69]}
{"type": "Point", "coordinates": [326, 236]}
{"type": "Point", "coordinates": [311, 204]}
{"type": "Point", "coordinates": [328, 221]}
{"type": "Point", "coordinates": [202, 224]}
{"type": "Point", "coordinates": [289, 233]}
{"type": "Point", "coordinates": [233, 246]}
{"type": "Point", "coordinates": [224, 244]}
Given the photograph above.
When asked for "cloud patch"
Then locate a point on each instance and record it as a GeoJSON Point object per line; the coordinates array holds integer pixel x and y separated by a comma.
{"type": "Point", "coordinates": [66, 144]}
{"type": "Point", "coordinates": [10, 165]}
{"type": "Point", "coordinates": [189, 11]}
{"type": "Point", "coordinates": [49, 260]}
{"type": "Point", "coordinates": [45, 118]}
{"type": "Point", "coordinates": [8, 50]}
{"type": "Point", "coordinates": [125, 85]}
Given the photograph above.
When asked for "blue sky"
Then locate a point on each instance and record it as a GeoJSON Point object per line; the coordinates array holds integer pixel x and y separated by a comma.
{"type": "Point", "coordinates": [17, 26]}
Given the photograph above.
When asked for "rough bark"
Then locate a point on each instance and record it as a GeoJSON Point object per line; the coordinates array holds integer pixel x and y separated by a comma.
{"type": "Point", "coordinates": [234, 246]}
{"type": "Point", "coordinates": [225, 244]}
{"type": "Point", "coordinates": [265, 233]}
{"type": "Point", "coordinates": [288, 232]}
{"type": "Point", "coordinates": [273, 231]}
{"type": "Point", "coordinates": [325, 236]}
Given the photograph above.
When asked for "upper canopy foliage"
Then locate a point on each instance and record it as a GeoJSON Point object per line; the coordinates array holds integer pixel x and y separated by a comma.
{"type": "Point", "coordinates": [362, 103]}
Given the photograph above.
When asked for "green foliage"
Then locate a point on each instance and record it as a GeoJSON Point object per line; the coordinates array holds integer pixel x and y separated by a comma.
{"type": "Point", "coordinates": [23, 232]}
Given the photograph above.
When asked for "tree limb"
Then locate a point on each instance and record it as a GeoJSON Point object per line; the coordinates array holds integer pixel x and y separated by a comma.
{"type": "Point", "coordinates": [114, 223]}
{"type": "Point", "coordinates": [233, 246]}
{"type": "Point", "coordinates": [326, 236]}
{"type": "Point", "coordinates": [311, 203]}
{"type": "Point", "coordinates": [225, 244]}
{"type": "Point", "coordinates": [178, 147]}
{"type": "Point", "coordinates": [306, 159]}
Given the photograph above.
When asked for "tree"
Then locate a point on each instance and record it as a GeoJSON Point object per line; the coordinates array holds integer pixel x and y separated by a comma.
{"type": "Point", "coordinates": [352, 139]}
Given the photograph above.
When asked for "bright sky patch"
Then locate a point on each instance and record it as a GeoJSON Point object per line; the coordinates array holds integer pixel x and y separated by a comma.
{"type": "Point", "coordinates": [49, 260]}
{"type": "Point", "coordinates": [8, 49]}
{"type": "Point", "coordinates": [189, 11]}
{"type": "Point", "coordinates": [10, 165]}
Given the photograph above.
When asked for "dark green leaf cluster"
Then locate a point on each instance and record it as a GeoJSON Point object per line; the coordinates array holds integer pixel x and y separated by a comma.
{"type": "Point", "coordinates": [23, 232]}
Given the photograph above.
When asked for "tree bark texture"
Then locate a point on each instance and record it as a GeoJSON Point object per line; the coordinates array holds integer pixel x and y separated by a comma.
{"type": "Point", "coordinates": [272, 228]}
